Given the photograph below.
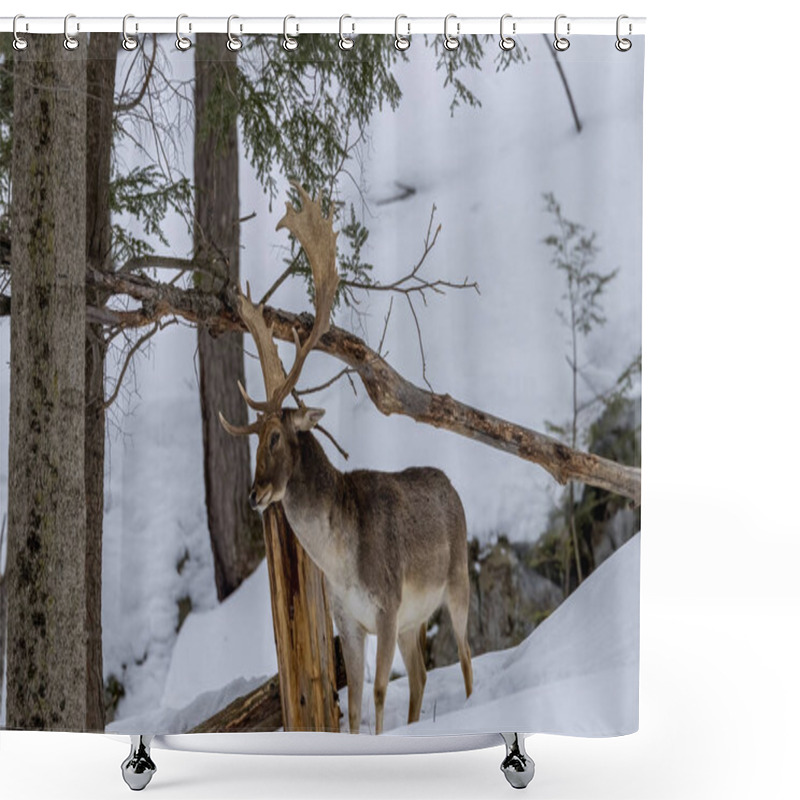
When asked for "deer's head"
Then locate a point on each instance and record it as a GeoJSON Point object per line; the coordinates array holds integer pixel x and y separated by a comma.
{"type": "Point", "coordinates": [277, 427]}
{"type": "Point", "coordinates": [277, 453]}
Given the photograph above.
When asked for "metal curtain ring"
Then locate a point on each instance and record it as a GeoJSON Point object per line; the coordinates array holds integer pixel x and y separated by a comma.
{"type": "Point", "coordinates": [70, 42]}
{"type": "Point", "coordinates": [289, 42]}
{"type": "Point", "coordinates": [128, 42]}
{"type": "Point", "coordinates": [623, 45]}
{"type": "Point", "coordinates": [506, 42]}
{"type": "Point", "coordinates": [401, 42]}
{"type": "Point", "coordinates": [345, 42]}
{"type": "Point", "coordinates": [181, 42]}
{"type": "Point", "coordinates": [451, 42]}
{"type": "Point", "coordinates": [18, 42]}
{"type": "Point", "coordinates": [561, 43]}
{"type": "Point", "coordinates": [234, 42]}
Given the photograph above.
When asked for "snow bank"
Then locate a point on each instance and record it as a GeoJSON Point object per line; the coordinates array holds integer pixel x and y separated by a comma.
{"type": "Point", "coordinates": [577, 674]}
{"type": "Point", "coordinates": [232, 641]}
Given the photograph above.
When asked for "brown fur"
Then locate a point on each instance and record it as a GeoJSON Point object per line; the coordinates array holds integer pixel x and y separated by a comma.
{"type": "Point", "coordinates": [392, 545]}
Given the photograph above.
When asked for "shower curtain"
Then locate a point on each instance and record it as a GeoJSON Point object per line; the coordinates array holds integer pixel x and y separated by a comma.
{"type": "Point", "coordinates": [440, 250]}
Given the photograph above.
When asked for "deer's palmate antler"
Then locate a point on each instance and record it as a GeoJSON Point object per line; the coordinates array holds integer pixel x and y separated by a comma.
{"type": "Point", "coordinates": [315, 233]}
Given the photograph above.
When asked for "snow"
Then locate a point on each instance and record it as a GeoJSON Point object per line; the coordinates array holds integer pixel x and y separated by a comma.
{"type": "Point", "coordinates": [501, 351]}
{"type": "Point", "coordinates": [243, 644]}
{"type": "Point", "coordinates": [577, 674]}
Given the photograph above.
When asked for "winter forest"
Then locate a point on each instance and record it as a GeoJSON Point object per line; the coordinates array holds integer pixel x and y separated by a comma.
{"type": "Point", "coordinates": [320, 386]}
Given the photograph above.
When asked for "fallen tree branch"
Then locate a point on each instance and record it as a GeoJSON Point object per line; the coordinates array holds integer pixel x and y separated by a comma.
{"type": "Point", "coordinates": [388, 390]}
{"type": "Point", "coordinates": [260, 710]}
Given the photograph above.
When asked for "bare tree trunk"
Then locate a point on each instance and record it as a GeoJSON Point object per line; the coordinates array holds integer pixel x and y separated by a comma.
{"type": "Point", "coordinates": [101, 71]}
{"type": "Point", "coordinates": [303, 631]}
{"type": "Point", "coordinates": [47, 641]}
{"type": "Point", "coordinates": [3, 608]}
{"type": "Point", "coordinates": [236, 537]}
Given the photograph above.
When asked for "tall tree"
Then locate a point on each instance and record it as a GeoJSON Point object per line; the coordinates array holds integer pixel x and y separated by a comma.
{"type": "Point", "coordinates": [236, 537]}
{"type": "Point", "coordinates": [101, 72]}
{"type": "Point", "coordinates": [47, 638]}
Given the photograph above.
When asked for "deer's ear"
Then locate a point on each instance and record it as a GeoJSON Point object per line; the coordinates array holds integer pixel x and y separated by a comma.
{"type": "Point", "coordinates": [306, 418]}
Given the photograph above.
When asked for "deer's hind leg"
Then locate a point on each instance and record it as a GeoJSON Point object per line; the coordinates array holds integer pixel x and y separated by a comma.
{"type": "Point", "coordinates": [387, 639]}
{"type": "Point", "coordinates": [411, 649]}
{"type": "Point", "coordinates": [457, 599]}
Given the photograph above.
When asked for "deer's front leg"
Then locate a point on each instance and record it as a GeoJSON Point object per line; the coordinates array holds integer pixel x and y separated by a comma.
{"type": "Point", "coordinates": [387, 637]}
{"type": "Point", "coordinates": [352, 636]}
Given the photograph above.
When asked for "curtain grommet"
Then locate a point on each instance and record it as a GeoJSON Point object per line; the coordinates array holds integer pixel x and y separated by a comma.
{"type": "Point", "coordinates": [507, 42]}
{"type": "Point", "coordinates": [401, 43]}
{"type": "Point", "coordinates": [234, 43]}
{"type": "Point", "coordinates": [70, 42]}
{"type": "Point", "coordinates": [623, 45]}
{"type": "Point", "coordinates": [18, 43]}
{"type": "Point", "coordinates": [129, 42]}
{"type": "Point", "coordinates": [561, 43]}
{"type": "Point", "coordinates": [451, 41]}
{"type": "Point", "coordinates": [289, 42]}
{"type": "Point", "coordinates": [345, 42]}
{"type": "Point", "coordinates": [183, 43]}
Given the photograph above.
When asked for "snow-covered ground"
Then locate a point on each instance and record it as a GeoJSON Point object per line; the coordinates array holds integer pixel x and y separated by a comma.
{"type": "Point", "coordinates": [502, 351]}
{"type": "Point", "coordinates": [576, 674]}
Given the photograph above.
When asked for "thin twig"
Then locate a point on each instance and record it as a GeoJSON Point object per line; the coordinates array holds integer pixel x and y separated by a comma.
{"type": "Point", "coordinates": [564, 81]}
{"type": "Point", "coordinates": [418, 286]}
{"type": "Point", "coordinates": [131, 104]}
{"type": "Point", "coordinates": [129, 357]}
{"type": "Point", "coordinates": [335, 443]}
{"type": "Point", "coordinates": [421, 347]}
{"type": "Point", "coordinates": [385, 327]}
{"type": "Point", "coordinates": [327, 384]}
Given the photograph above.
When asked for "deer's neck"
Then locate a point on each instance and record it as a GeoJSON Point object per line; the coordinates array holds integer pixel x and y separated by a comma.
{"type": "Point", "coordinates": [313, 506]}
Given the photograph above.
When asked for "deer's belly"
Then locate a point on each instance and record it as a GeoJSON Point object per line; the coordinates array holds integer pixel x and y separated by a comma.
{"type": "Point", "coordinates": [416, 606]}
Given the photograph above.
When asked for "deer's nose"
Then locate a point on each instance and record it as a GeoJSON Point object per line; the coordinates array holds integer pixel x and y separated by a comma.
{"type": "Point", "coordinates": [253, 500]}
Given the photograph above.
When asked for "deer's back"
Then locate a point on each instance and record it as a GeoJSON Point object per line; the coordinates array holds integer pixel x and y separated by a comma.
{"type": "Point", "coordinates": [409, 526]}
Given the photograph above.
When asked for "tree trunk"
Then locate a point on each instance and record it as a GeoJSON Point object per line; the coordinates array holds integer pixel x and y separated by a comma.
{"type": "Point", "coordinates": [303, 631]}
{"type": "Point", "coordinates": [236, 538]}
{"type": "Point", "coordinates": [100, 74]}
{"type": "Point", "coordinates": [47, 638]}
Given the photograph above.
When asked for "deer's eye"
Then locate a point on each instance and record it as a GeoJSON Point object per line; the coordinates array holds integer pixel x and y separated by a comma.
{"type": "Point", "coordinates": [274, 439]}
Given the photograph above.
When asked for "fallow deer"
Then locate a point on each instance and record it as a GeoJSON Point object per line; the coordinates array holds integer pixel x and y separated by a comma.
{"type": "Point", "coordinates": [392, 546]}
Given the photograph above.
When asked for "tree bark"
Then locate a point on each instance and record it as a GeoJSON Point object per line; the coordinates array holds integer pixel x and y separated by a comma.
{"type": "Point", "coordinates": [47, 638]}
{"type": "Point", "coordinates": [389, 391]}
{"type": "Point", "coordinates": [101, 72]}
{"type": "Point", "coordinates": [303, 631]}
{"type": "Point", "coordinates": [236, 538]}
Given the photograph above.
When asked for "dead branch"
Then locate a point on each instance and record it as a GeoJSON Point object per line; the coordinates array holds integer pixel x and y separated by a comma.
{"type": "Point", "coordinates": [260, 710]}
{"type": "Point", "coordinates": [121, 108]}
{"type": "Point", "coordinates": [388, 390]}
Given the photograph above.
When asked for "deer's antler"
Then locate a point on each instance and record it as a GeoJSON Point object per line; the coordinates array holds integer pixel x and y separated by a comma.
{"type": "Point", "coordinates": [315, 233]}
